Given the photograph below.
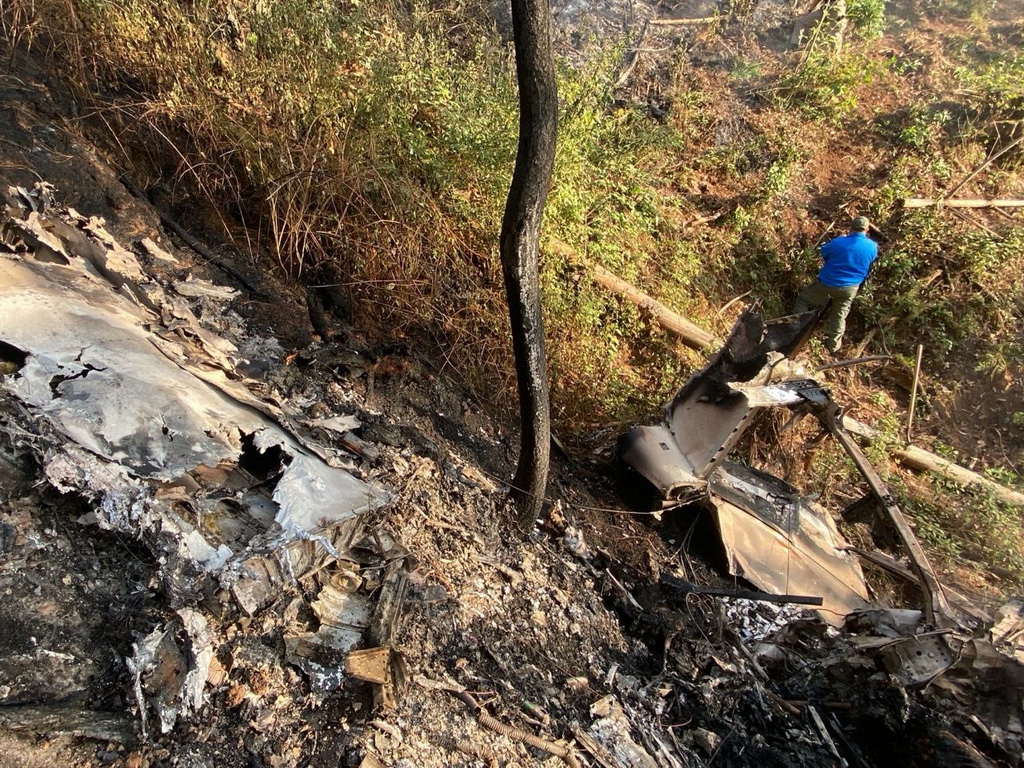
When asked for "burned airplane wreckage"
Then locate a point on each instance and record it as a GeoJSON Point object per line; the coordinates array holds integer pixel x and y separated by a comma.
{"type": "Point", "coordinates": [788, 545]}
{"type": "Point", "coordinates": [778, 540]}
{"type": "Point", "coordinates": [144, 413]}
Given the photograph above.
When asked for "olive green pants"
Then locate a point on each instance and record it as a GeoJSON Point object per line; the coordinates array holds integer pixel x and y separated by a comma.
{"type": "Point", "coordinates": [816, 294]}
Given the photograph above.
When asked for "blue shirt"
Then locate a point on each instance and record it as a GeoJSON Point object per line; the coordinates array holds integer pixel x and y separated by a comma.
{"type": "Point", "coordinates": [847, 260]}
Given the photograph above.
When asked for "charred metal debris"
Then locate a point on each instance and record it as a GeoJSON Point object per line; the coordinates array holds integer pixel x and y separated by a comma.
{"type": "Point", "coordinates": [121, 395]}
{"type": "Point", "coordinates": [774, 538]}
{"type": "Point", "coordinates": [787, 544]}
{"type": "Point", "coordinates": [117, 394]}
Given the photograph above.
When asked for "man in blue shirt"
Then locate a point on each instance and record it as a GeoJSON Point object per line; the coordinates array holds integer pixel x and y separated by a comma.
{"type": "Point", "coordinates": [847, 260]}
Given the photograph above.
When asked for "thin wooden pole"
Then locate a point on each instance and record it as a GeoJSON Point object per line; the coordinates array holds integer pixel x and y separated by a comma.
{"type": "Point", "coordinates": [974, 202]}
{"type": "Point", "coordinates": [913, 391]}
{"type": "Point", "coordinates": [732, 301]}
{"type": "Point", "coordinates": [978, 224]}
{"type": "Point", "coordinates": [632, 57]}
{"type": "Point", "coordinates": [854, 361]}
{"type": "Point", "coordinates": [682, 22]}
{"type": "Point", "coordinates": [984, 165]}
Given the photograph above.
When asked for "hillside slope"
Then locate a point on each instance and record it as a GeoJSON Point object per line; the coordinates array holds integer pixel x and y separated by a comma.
{"type": "Point", "coordinates": [570, 635]}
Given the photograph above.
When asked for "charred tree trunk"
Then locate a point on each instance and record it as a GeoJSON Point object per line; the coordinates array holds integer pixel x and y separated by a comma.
{"type": "Point", "coordinates": [520, 231]}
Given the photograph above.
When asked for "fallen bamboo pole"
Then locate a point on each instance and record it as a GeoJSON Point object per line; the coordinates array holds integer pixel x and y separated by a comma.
{"type": "Point", "coordinates": [972, 202]}
{"type": "Point", "coordinates": [964, 217]}
{"type": "Point", "coordinates": [854, 361]}
{"type": "Point", "coordinates": [911, 456]}
{"type": "Point", "coordinates": [920, 459]}
{"type": "Point", "coordinates": [690, 334]}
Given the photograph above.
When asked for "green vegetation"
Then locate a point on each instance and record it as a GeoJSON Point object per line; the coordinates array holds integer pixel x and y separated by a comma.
{"type": "Point", "coordinates": [970, 526]}
{"type": "Point", "coordinates": [867, 17]}
{"type": "Point", "coordinates": [825, 87]}
{"type": "Point", "coordinates": [379, 138]}
{"type": "Point", "coordinates": [954, 284]}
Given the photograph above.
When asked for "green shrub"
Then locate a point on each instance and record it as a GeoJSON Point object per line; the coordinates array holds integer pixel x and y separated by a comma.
{"type": "Point", "coordinates": [867, 17]}
{"type": "Point", "coordinates": [949, 285]}
{"type": "Point", "coordinates": [825, 87]}
{"type": "Point", "coordinates": [969, 525]}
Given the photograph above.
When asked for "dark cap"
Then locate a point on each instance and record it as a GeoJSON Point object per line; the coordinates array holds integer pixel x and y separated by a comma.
{"type": "Point", "coordinates": [860, 224]}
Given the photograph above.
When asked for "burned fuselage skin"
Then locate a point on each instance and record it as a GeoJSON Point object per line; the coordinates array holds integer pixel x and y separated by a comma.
{"type": "Point", "coordinates": [773, 537]}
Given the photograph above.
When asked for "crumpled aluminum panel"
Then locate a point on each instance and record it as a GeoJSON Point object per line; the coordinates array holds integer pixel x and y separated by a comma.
{"type": "Point", "coordinates": [783, 544]}
{"type": "Point", "coordinates": [124, 372]}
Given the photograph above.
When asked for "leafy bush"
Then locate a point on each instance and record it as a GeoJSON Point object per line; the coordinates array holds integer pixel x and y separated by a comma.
{"type": "Point", "coordinates": [925, 130]}
{"type": "Point", "coordinates": [949, 285]}
{"type": "Point", "coordinates": [968, 525]}
{"type": "Point", "coordinates": [825, 87]}
{"type": "Point", "coordinates": [867, 17]}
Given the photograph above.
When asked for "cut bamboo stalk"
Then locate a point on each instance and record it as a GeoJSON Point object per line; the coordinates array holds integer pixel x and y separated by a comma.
{"type": "Point", "coordinates": [732, 301]}
{"type": "Point", "coordinates": [988, 161]}
{"type": "Point", "coordinates": [973, 202]}
{"type": "Point", "coordinates": [974, 223]}
{"type": "Point", "coordinates": [689, 333]}
{"type": "Point", "coordinates": [855, 361]}
{"type": "Point", "coordinates": [632, 57]}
